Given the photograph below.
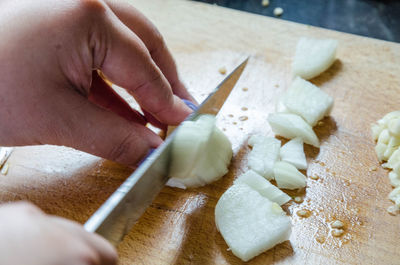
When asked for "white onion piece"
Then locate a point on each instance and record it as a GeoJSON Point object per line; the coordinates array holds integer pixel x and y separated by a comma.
{"type": "Point", "coordinates": [263, 186]}
{"type": "Point", "coordinates": [376, 130]}
{"type": "Point", "coordinates": [291, 126]}
{"type": "Point", "coordinates": [201, 153]}
{"type": "Point", "coordinates": [288, 177]}
{"type": "Point", "coordinates": [307, 100]}
{"type": "Point", "coordinates": [264, 154]}
{"type": "Point", "coordinates": [280, 106]}
{"type": "Point", "coordinates": [394, 179]}
{"type": "Point", "coordinates": [313, 56]}
{"type": "Point", "coordinates": [394, 159]}
{"type": "Point", "coordinates": [394, 196]}
{"type": "Point", "coordinates": [249, 222]}
{"type": "Point", "coordinates": [391, 115]}
{"type": "Point", "coordinates": [293, 153]}
{"type": "Point", "coordinates": [394, 127]}
{"type": "Point", "coordinates": [384, 137]}
{"type": "Point", "coordinates": [380, 151]}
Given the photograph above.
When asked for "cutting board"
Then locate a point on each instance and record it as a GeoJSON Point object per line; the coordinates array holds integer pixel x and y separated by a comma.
{"type": "Point", "coordinates": [178, 228]}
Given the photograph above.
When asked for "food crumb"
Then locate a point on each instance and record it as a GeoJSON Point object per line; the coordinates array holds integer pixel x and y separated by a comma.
{"type": "Point", "coordinates": [278, 11]}
{"type": "Point", "coordinates": [298, 199]}
{"type": "Point", "coordinates": [230, 115]}
{"type": "Point", "coordinates": [374, 168]}
{"type": "Point", "coordinates": [222, 70]}
{"type": "Point", "coordinates": [337, 232]}
{"type": "Point", "coordinates": [320, 239]}
{"type": "Point", "coordinates": [265, 3]}
{"type": "Point", "coordinates": [244, 108]}
{"type": "Point", "coordinates": [276, 85]}
{"type": "Point", "coordinates": [303, 213]}
{"type": "Point", "coordinates": [234, 123]}
{"type": "Point", "coordinates": [393, 210]}
{"type": "Point", "coordinates": [337, 224]}
{"type": "Point", "coordinates": [314, 177]}
{"type": "Point", "coordinates": [245, 89]}
{"type": "Point", "coordinates": [4, 169]}
{"type": "Point", "coordinates": [243, 118]}
{"type": "Point", "coordinates": [224, 129]}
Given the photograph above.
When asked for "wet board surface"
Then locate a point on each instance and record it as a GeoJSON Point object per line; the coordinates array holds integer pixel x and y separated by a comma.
{"type": "Point", "coordinates": [178, 228]}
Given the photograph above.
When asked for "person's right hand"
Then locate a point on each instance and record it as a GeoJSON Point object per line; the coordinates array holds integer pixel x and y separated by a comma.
{"type": "Point", "coordinates": [30, 237]}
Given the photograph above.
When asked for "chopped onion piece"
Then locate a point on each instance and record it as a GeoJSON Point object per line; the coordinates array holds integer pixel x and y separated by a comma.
{"type": "Point", "coordinates": [307, 100]}
{"type": "Point", "coordinates": [263, 186]}
{"type": "Point", "coordinates": [201, 153]}
{"type": "Point", "coordinates": [394, 179]}
{"type": "Point", "coordinates": [380, 151]}
{"type": "Point", "coordinates": [376, 130]}
{"type": "Point", "coordinates": [264, 155]}
{"type": "Point", "coordinates": [394, 196]}
{"type": "Point", "coordinates": [391, 115]}
{"type": "Point", "coordinates": [384, 137]}
{"type": "Point", "coordinates": [288, 177]}
{"type": "Point", "coordinates": [313, 56]}
{"type": "Point", "coordinates": [394, 127]}
{"type": "Point", "coordinates": [280, 106]}
{"type": "Point", "coordinates": [249, 222]}
{"type": "Point", "coordinates": [293, 153]}
{"type": "Point", "coordinates": [291, 126]}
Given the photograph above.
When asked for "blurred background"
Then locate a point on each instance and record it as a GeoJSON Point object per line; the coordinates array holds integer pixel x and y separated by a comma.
{"type": "Point", "coordinates": [371, 18]}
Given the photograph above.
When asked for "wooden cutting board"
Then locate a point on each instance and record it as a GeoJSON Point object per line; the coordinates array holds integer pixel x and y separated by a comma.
{"type": "Point", "coordinates": [178, 228]}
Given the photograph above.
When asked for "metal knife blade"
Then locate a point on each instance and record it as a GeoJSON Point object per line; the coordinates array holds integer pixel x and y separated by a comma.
{"type": "Point", "coordinates": [115, 218]}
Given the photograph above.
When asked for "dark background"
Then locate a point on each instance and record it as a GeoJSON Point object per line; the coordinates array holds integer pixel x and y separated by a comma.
{"type": "Point", "coordinates": [372, 18]}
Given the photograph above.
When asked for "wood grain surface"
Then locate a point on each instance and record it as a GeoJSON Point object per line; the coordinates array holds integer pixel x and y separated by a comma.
{"type": "Point", "coordinates": [178, 228]}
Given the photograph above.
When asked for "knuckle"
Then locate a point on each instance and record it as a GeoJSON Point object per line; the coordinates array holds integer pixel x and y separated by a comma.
{"type": "Point", "coordinates": [159, 44]}
{"type": "Point", "coordinates": [88, 256]}
{"type": "Point", "coordinates": [92, 6]}
{"type": "Point", "coordinates": [28, 207]}
{"type": "Point", "coordinates": [122, 152]}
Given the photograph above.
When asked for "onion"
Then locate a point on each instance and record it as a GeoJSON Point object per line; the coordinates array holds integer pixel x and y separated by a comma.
{"type": "Point", "coordinates": [313, 56]}
{"type": "Point", "coordinates": [263, 186]}
{"type": "Point", "coordinates": [292, 126]}
{"type": "Point", "coordinates": [264, 154]}
{"type": "Point", "coordinates": [288, 177]}
{"type": "Point", "coordinates": [307, 100]}
{"type": "Point", "coordinates": [293, 153]}
{"type": "Point", "coordinates": [249, 222]}
{"type": "Point", "coordinates": [201, 153]}
{"type": "Point", "coordinates": [394, 196]}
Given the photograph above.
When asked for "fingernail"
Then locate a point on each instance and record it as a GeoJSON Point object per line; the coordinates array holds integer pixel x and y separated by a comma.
{"type": "Point", "coordinates": [190, 104]}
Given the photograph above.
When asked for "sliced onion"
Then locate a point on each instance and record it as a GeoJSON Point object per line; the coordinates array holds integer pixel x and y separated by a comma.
{"type": "Point", "coordinates": [200, 153]}
{"type": "Point", "coordinates": [263, 186]}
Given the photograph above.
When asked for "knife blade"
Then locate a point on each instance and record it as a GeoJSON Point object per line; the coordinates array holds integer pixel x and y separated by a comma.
{"type": "Point", "coordinates": [115, 218]}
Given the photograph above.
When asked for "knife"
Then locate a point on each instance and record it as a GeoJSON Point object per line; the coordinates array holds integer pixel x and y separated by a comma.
{"type": "Point", "coordinates": [115, 218]}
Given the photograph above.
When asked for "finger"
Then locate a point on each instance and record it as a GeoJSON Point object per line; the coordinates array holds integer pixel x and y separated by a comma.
{"type": "Point", "coordinates": [153, 121]}
{"type": "Point", "coordinates": [80, 124]}
{"type": "Point", "coordinates": [154, 42]}
{"type": "Point", "coordinates": [103, 95]}
{"type": "Point", "coordinates": [128, 64]}
{"type": "Point", "coordinates": [106, 252]}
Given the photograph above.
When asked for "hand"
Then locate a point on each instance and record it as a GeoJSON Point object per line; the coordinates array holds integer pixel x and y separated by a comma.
{"type": "Point", "coordinates": [50, 90]}
{"type": "Point", "coordinates": [28, 236]}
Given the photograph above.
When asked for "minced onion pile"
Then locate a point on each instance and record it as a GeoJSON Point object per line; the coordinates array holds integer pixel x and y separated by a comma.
{"type": "Point", "coordinates": [386, 133]}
